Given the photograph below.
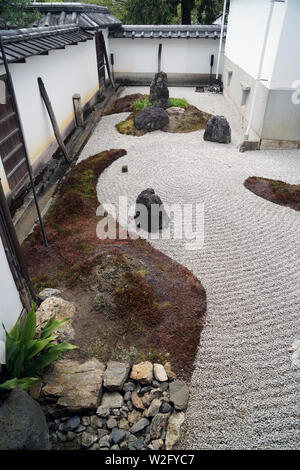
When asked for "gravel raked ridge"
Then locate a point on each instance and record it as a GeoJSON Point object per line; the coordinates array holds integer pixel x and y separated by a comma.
{"type": "Point", "coordinates": [245, 386]}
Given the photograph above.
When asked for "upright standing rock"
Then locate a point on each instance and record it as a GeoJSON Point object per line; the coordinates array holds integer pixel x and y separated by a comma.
{"type": "Point", "coordinates": [159, 92]}
{"type": "Point", "coordinates": [218, 130]}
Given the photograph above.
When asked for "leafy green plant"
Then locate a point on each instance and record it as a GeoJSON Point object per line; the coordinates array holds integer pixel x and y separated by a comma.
{"type": "Point", "coordinates": [26, 355]}
{"type": "Point", "coordinates": [178, 102]}
{"type": "Point", "coordinates": [141, 104]}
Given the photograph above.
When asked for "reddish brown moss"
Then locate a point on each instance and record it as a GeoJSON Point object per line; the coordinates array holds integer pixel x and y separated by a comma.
{"type": "Point", "coordinates": [123, 105]}
{"type": "Point", "coordinates": [275, 191]}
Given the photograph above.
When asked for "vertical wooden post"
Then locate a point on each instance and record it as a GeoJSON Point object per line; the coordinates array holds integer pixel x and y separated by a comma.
{"type": "Point", "coordinates": [78, 110]}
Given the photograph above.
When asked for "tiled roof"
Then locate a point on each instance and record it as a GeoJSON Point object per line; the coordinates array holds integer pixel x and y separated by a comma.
{"type": "Point", "coordinates": [22, 43]}
{"type": "Point", "coordinates": [84, 15]}
{"type": "Point", "coordinates": [168, 31]}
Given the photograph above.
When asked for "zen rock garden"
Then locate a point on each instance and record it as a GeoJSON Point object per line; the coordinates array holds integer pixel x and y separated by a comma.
{"type": "Point", "coordinates": [96, 407]}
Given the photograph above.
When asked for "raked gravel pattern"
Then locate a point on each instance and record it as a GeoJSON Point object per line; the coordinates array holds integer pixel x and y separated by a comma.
{"type": "Point", "coordinates": [245, 386]}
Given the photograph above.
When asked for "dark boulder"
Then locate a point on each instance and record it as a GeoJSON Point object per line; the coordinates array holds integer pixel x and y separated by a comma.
{"type": "Point", "coordinates": [151, 119]}
{"type": "Point", "coordinates": [218, 130]}
{"type": "Point", "coordinates": [153, 205]}
{"type": "Point", "coordinates": [22, 423]}
{"type": "Point", "coordinates": [159, 92]}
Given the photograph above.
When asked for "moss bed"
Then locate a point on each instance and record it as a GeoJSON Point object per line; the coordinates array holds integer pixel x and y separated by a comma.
{"type": "Point", "coordinates": [133, 303]}
{"type": "Point", "coordinates": [275, 191]}
{"type": "Point", "coordinates": [190, 120]}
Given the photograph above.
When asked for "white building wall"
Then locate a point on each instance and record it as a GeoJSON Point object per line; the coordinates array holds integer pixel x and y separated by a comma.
{"type": "Point", "coordinates": [64, 72]}
{"type": "Point", "coordinates": [11, 306]}
{"type": "Point", "coordinates": [287, 64]}
{"type": "Point", "coordinates": [246, 28]}
{"type": "Point", "coordinates": [179, 56]}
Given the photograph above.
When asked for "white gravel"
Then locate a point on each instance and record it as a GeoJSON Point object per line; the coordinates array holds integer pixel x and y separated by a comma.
{"type": "Point", "coordinates": [245, 386]}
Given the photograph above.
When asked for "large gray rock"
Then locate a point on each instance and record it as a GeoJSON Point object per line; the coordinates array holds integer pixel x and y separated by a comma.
{"type": "Point", "coordinates": [22, 423]}
{"type": "Point", "coordinates": [179, 394]}
{"type": "Point", "coordinates": [218, 130]}
{"type": "Point", "coordinates": [112, 400]}
{"type": "Point", "coordinates": [73, 387]}
{"type": "Point", "coordinates": [151, 119]}
{"type": "Point", "coordinates": [115, 375]}
{"type": "Point", "coordinates": [159, 93]}
{"type": "Point", "coordinates": [150, 214]}
{"type": "Point", "coordinates": [139, 425]}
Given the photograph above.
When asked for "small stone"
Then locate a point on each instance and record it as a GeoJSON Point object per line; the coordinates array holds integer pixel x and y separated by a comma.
{"type": "Point", "coordinates": [128, 387]}
{"type": "Point", "coordinates": [139, 444]}
{"type": "Point", "coordinates": [86, 420]}
{"type": "Point", "coordinates": [123, 424]}
{"type": "Point", "coordinates": [80, 429]}
{"type": "Point", "coordinates": [165, 407]}
{"type": "Point", "coordinates": [112, 423]}
{"type": "Point", "coordinates": [102, 433]}
{"type": "Point", "coordinates": [142, 373]}
{"type": "Point", "coordinates": [157, 444]}
{"type": "Point", "coordinates": [134, 416]}
{"type": "Point", "coordinates": [88, 439]}
{"type": "Point", "coordinates": [153, 408]}
{"type": "Point", "coordinates": [179, 394]}
{"type": "Point", "coordinates": [137, 401]}
{"type": "Point", "coordinates": [104, 441]}
{"type": "Point", "coordinates": [164, 386]}
{"type": "Point", "coordinates": [112, 400]}
{"type": "Point", "coordinates": [171, 375]}
{"type": "Point", "coordinates": [131, 442]}
{"type": "Point", "coordinates": [124, 169]}
{"type": "Point", "coordinates": [159, 422]}
{"type": "Point", "coordinates": [127, 396]}
{"type": "Point", "coordinates": [123, 445]}
{"type": "Point", "coordinates": [102, 411]}
{"type": "Point", "coordinates": [156, 393]}
{"type": "Point", "coordinates": [146, 389]}
{"type": "Point", "coordinates": [94, 446]}
{"type": "Point", "coordinates": [96, 422]}
{"type": "Point", "coordinates": [139, 426]}
{"type": "Point", "coordinates": [117, 435]}
{"type": "Point", "coordinates": [173, 431]}
{"type": "Point", "coordinates": [160, 373]}
{"type": "Point", "coordinates": [115, 375]}
{"type": "Point", "coordinates": [130, 405]}
{"type": "Point", "coordinates": [71, 424]}
{"type": "Point", "coordinates": [70, 436]}
{"type": "Point", "coordinates": [155, 384]}
{"type": "Point", "coordinates": [116, 412]}
{"type": "Point", "coordinates": [115, 447]}
{"type": "Point", "coordinates": [48, 292]}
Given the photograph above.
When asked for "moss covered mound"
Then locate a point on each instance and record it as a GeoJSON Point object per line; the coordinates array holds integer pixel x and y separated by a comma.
{"type": "Point", "coordinates": [192, 119]}
{"type": "Point", "coordinates": [183, 117]}
{"type": "Point", "coordinates": [275, 191]}
{"type": "Point", "coordinates": [127, 127]}
{"type": "Point", "coordinates": [123, 105]}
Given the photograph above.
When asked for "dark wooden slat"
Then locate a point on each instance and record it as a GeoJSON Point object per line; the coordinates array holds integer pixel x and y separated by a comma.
{"type": "Point", "coordinates": [13, 132]}
{"type": "Point", "coordinates": [11, 153]}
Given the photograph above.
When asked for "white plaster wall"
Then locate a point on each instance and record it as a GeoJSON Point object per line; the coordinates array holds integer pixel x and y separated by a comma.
{"type": "Point", "coordinates": [10, 303]}
{"type": "Point", "coordinates": [287, 65]}
{"type": "Point", "coordinates": [64, 72]}
{"type": "Point", "coordinates": [245, 35]}
{"type": "Point", "coordinates": [178, 55]}
{"type": "Point", "coordinates": [3, 178]}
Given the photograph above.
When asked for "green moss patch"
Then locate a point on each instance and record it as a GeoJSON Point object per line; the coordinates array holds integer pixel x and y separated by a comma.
{"type": "Point", "coordinates": [276, 191]}
{"type": "Point", "coordinates": [123, 105]}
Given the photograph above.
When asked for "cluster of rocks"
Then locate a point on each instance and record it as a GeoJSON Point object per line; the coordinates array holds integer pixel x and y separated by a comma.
{"type": "Point", "coordinates": [141, 408]}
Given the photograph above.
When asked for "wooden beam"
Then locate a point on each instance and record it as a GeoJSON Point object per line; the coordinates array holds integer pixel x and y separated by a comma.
{"type": "Point", "coordinates": [53, 120]}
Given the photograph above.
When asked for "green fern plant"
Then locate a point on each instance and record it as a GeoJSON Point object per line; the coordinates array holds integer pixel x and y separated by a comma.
{"type": "Point", "coordinates": [26, 355]}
